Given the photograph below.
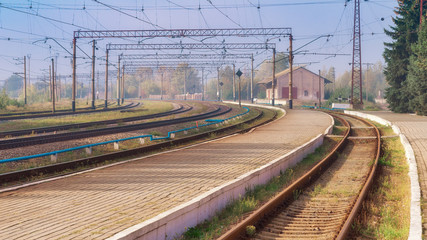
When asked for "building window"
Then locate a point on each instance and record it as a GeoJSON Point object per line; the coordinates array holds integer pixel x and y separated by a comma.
{"type": "Point", "coordinates": [305, 93]}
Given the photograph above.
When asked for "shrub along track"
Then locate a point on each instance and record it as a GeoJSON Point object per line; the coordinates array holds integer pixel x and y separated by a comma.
{"type": "Point", "coordinates": [29, 115]}
{"type": "Point", "coordinates": [36, 140]}
{"type": "Point", "coordinates": [71, 166]}
{"type": "Point", "coordinates": [323, 203]}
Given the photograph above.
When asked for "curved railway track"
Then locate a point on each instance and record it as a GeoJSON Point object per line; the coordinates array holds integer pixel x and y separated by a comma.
{"type": "Point", "coordinates": [323, 203]}
{"type": "Point", "coordinates": [65, 112]}
{"type": "Point", "coordinates": [50, 111]}
{"type": "Point", "coordinates": [36, 140]}
{"type": "Point", "coordinates": [78, 164]}
{"type": "Point", "coordinates": [180, 109]}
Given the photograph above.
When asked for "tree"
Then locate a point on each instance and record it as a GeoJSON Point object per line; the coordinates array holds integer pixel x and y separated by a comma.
{"type": "Point", "coordinates": [13, 85]}
{"type": "Point", "coordinates": [417, 75]}
{"type": "Point", "coordinates": [396, 54]}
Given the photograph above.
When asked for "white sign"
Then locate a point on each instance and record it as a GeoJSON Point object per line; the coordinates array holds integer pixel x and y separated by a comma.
{"type": "Point", "coordinates": [341, 105]}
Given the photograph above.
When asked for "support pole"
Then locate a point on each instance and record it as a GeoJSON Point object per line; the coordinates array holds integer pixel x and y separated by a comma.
{"type": "Point", "coordinates": [123, 84]}
{"type": "Point", "coordinates": [25, 80]}
{"type": "Point", "coordinates": [73, 94]}
{"type": "Point", "coordinates": [217, 85]}
{"type": "Point", "coordinates": [106, 80]}
{"type": "Point", "coordinates": [320, 90]}
{"type": "Point", "coordinates": [161, 89]}
{"type": "Point", "coordinates": [185, 83]}
{"type": "Point", "coordinates": [273, 85]}
{"type": "Point", "coordinates": [118, 81]}
{"type": "Point", "coordinates": [291, 60]}
{"type": "Point", "coordinates": [234, 82]}
{"type": "Point", "coordinates": [252, 78]}
{"type": "Point", "coordinates": [203, 85]}
{"type": "Point", "coordinates": [53, 86]}
{"type": "Point", "coordinates": [93, 74]}
{"type": "Point", "coordinates": [240, 95]}
{"type": "Point", "coordinates": [50, 83]}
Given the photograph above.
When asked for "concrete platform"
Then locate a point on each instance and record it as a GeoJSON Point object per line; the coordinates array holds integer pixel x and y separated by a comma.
{"type": "Point", "coordinates": [100, 203]}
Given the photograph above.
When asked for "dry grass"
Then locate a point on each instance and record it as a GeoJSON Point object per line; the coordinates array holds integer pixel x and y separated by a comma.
{"type": "Point", "coordinates": [149, 107]}
{"type": "Point", "coordinates": [386, 210]}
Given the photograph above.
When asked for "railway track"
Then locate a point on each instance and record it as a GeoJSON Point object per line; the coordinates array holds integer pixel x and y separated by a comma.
{"type": "Point", "coordinates": [50, 111]}
{"type": "Point", "coordinates": [66, 112]}
{"type": "Point", "coordinates": [42, 139]}
{"type": "Point", "coordinates": [180, 109]}
{"type": "Point", "coordinates": [323, 203]}
{"type": "Point", "coordinates": [85, 162]}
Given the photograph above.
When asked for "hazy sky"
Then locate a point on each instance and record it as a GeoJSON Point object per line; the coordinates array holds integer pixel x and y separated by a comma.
{"type": "Point", "coordinates": [25, 25]}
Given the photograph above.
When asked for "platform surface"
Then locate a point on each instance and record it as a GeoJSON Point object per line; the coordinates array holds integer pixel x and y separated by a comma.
{"type": "Point", "coordinates": [415, 129]}
{"type": "Point", "coordinates": [100, 203]}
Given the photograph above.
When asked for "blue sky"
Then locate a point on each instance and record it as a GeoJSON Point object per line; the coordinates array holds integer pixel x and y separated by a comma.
{"type": "Point", "coordinates": [25, 24]}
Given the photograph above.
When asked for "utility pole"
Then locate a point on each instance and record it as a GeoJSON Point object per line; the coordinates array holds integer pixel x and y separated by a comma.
{"type": "Point", "coordinates": [291, 60]}
{"type": "Point", "coordinates": [25, 80]}
{"type": "Point", "coordinates": [356, 72]}
{"type": "Point", "coordinates": [118, 81]}
{"type": "Point", "coordinates": [185, 83]}
{"type": "Point", "coordinates": [123, 84]}
{"type": "Point", "coordinates": [73, 102]}
{"type": "Point", "coordinates": [217, 85]}
{"type": "Point", "coordinates": [53, 86]}
{"type": "Point", "coordinates": [29, 71]}
{"type": "Point", "coordinates": [273, 85]}
{"type": "Point", "coordinates": [106, 79]}
{"type": "Point", "coordinates": [252, 78]}
{"type": "Point", "coordinates": [50, 82]}
{"type": "Point", "coordinates": [161, 89]}
{"type": "Point", "coordinates": [239, 73]}
{"type": "Point", "coordinates": [234, 82]}
{"type": "Point", "coordinates": [320, 90]}
{"type": "Point", "coordinates": [93, 74]}
{"type": "Point", "coordinates": [203, 85]}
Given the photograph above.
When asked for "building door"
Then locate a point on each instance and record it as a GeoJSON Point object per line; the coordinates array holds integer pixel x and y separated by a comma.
{"type": "Point", "coordinates": [285, 92]}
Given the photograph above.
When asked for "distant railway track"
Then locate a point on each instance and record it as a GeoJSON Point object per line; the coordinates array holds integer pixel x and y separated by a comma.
{"type": "Point", "coordinates": [323, 203]}
{"type": "Point", "coordinates": [82, 163]}
{"type": "Point", "coordinates": [36, 140]}
{"type": "Point", "coordinates": [66, 112]}
{"type": "Point", "coordinates": [50, 111]}
{"type": "Point", "coordinates": [16, 133]}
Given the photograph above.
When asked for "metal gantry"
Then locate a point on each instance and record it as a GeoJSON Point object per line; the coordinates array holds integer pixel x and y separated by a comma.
{"type": "Point", "coordinates": [190, 46]}
{"type": "Point", "coordinates": [180, 33]}
{"type": "Point", "coordinates": [176, 33]}
{"type": "Point", "coordinates": [184, 56]}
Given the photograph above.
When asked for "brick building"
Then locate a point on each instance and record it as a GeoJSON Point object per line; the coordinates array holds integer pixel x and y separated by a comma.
{"type": "Point", "coordinates": [305, 85]}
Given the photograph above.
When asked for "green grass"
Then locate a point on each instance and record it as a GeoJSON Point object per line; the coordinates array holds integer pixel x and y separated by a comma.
{"type": "Point", "coordinates": [236, 210]}
{"type": "Point", "coordinates": [386, 211]}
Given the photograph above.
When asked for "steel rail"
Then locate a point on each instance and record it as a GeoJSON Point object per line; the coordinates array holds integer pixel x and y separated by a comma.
{"type": "Point", "coordinates": [15, 133]}
{"type": "Point", "coordinates": [78, 164]}
{"type": "Point", "coordinates": [130, 105]}
{"type": "Point", "coordinates": [267, 209]}
{"type": "Point", "coordinates": [36, 140]}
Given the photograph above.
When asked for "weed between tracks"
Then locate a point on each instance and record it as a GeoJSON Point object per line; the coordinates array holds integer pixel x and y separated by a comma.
{"type": "Point", "coordinates": [386, 211]}
{"type": "Point", "coordinates": [254, 198]}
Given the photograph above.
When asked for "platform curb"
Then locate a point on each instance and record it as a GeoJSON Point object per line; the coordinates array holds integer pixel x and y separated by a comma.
{"type": "Point", "coordinates": [174, 222]}
{"type": "Point", "coordinates": [415, 229]}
